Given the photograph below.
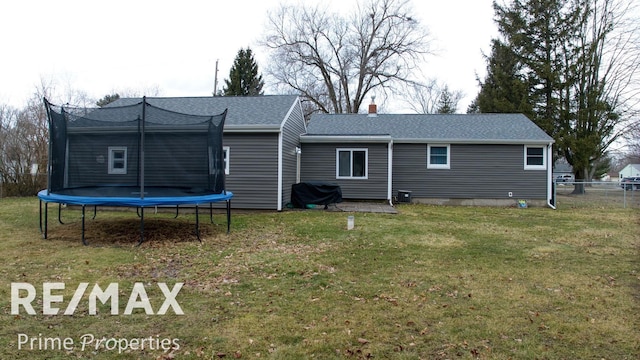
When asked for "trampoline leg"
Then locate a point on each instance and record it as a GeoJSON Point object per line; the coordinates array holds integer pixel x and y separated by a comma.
{"type": "Point", "coordinates": [228, 216]}
{"type": "Point", "coordinates": [40, 215]}
{"type": "Point", "coordinates": [60, 213]}
{"type": "Point", "coordinates": [141, 214]}
{"type": "Point", "coordinates": [95, 212]}
{"type": "Point", "coordinates": [211, 212]}
{"type": "Point", "coordinates": [177, 207]}
{"type": "Point", "coordinates": [43, 231]}
{"type": "Point", "coordinates": [198, 224]}
{"type": "Point", "coordinates": [84, 241]}
{"type": "Point", "coordinates": [46, 218]}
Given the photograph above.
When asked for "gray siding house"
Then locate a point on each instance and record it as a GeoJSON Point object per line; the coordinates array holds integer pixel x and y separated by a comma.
{"type": "Point", "coordinates": [436, 158]}
{"type": "Point", "coordinates": [261, 143]}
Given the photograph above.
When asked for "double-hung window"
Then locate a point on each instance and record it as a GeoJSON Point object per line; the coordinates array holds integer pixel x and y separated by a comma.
{"type": "Point", "coordinates": [352, 163]}
{"type": "Point", "coordinates": [438, 156]}
{"type": "Point", "coordinates": [534, 157]}
{"type": "Point", "coordinates": [225, 152]}
{"type": "Point", "coordinates": [117, 160]}
{"type": "Point", "coordinates": [212, 161]}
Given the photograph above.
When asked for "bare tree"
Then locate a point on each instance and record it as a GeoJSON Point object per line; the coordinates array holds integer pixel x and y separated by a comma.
{"type": "Point", "coordinates": [430, 96]}
{"type": "Point", "coordinates": [149, 90]}
{"type": "Point", "coordinates": [23, 149]}
{"type": "Point", "coordinates": [24, 139]}
{"type": "Point", "coordinates": [605, 87]}
{"type": "Point", "coordinates": [580, 60]}
{"type": "Point", "coordinates": [336, 61]}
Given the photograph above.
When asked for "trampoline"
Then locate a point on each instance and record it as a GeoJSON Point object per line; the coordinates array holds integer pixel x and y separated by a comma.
{"type": "Point", "coordinates": [133, 156]}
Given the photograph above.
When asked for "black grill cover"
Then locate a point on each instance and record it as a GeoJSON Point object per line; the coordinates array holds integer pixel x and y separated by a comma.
{"type": "Point", "coordinates": [316, 193]}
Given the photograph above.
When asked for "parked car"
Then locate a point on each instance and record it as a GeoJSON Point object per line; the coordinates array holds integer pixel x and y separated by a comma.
{"type": "Point", "coordinates": [630, 183]}
{"type": "Point", "coordinates": [564, 178]}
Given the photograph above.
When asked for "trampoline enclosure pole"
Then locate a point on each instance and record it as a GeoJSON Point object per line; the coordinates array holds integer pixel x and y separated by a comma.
{"type": "Point", "coordinates": [141, 150]}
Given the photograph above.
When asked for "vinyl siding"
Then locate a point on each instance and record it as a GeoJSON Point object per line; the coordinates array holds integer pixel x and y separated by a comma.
{"type": "Point", "coordinates": [253, 170]}
{"type": "Point", "coordinates": [293, 127]}
{"type": "Point", "coordinates": [166, 157]}
{"type": "Point", "coordinates": [319, 164]}
{"type": "Point", "coordinates": [167, 154]}
{"type": "Point", "coordinates": [88, 160]}
{"type": "Point", "coordinates": [476, 172]}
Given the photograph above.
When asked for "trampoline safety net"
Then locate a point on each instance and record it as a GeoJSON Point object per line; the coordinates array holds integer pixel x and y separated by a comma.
{"type": "Point", "coordinates": [134, 146]}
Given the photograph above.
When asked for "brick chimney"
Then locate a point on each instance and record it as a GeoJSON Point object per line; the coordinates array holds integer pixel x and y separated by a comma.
{"type": "Point", "coordinates": [373, 108]}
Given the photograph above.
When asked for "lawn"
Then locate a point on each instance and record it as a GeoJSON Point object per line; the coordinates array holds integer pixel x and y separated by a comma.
{"type": "Point", "coordinates": [428, 283]}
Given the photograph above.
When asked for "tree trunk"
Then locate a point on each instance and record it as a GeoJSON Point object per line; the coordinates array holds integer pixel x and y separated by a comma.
{"type": "Point", "coordinates": [578, 186]}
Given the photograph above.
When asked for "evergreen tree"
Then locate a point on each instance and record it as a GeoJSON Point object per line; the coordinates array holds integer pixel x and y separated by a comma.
{"type": "Point", "coordinates": [107, 99]}
{"type": "Point", "coordinates": [538, 31]}
{"type": "Point", "coordinates": [571, 57]}
{"type": "Point", "coordinates": [505, 88]}
{"type": "Point", "coordinates": [447, 103]}
{"type": "Point", "coordinates": [243, 76]}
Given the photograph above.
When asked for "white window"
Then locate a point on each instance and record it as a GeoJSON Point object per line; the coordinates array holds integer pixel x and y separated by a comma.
{"type": "Point", "coordinates": [352, 163]}
{"type": "Point", "coordinates": [438, 156]}
{"type": "Point", "coordinates": [534, 157]}
{"type": "Point", "coordinates": [225, 154]}
{"type": "Point", "coordinates": [225, 151]}
{"type": "Point", "coordinates": [117, 160]}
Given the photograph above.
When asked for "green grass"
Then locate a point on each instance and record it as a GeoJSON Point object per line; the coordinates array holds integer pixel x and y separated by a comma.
{"type": "Point", "coordinates": [428, 283]}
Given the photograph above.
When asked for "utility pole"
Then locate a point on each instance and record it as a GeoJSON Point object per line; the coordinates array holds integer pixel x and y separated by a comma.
{"type": "Point", "coordinates": [215, 81]}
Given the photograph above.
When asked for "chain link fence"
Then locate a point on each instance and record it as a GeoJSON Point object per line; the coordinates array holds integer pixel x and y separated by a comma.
{"type": "Point", "coordinates": [605, 194]}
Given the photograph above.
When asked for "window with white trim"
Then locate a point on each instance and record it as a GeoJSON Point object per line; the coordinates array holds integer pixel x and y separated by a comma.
{"type": "Point", "coordinates": [534, 157]}
{"type": "Point", "coordinates": [438, 156]}
{"type": "Point", "coordinates": [225, 153]}
{"type": "Point", "coordinates": [212, 163]}
{"type": "Point", "coordinates": [117, 160]}
{"type": "Point", "coordinates": [352, 163]}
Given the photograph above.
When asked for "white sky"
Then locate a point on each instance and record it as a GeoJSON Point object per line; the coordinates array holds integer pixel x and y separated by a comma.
{"type": "Point", "coordinates": [100, 47]}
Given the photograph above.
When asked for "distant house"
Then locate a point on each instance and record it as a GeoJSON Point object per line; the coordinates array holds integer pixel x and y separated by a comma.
{"type": "Point", "coordinates": [631, 170]}
{"type": "Point", "coordinates": [562, 168]}
{"type": "Point", "coordinates": [436, 158]}
{"type": "Point", "coordinates": [261, 143]}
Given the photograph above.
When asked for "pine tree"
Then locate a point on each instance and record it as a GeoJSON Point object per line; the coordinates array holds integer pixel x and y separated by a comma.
{"type": "Point", "coordinates": [107, 99]}
{"type": "Point", "coordinates": [505, 88]}
{"type": "Point", "coordinates": [243, 76]}
{"type": "Point", "coordinates": [572, 57]}
{"type": "Point", "coordinates": [447, 102]}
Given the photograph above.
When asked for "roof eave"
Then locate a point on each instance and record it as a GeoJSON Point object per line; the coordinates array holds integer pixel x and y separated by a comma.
{"type": "Point", "coordinates": [475, 141]}
{"type": "Point", "coordinates": [275, 128]}
{"type": "Point", "coordinates": [306, 138]}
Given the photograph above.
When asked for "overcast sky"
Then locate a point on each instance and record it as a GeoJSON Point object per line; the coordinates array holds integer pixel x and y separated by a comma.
{"type": "Point", "coordinates": [104, 46]}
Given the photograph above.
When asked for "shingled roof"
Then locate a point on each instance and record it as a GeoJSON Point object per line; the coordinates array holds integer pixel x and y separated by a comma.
{"type": "Point", "coordinates": [449, 128]}
{"type": "Point", "coordinates": [245, 112]}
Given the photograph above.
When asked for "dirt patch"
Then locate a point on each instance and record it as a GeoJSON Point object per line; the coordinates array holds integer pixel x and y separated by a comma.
{"type": "Point", "coordinates": [126, 232]}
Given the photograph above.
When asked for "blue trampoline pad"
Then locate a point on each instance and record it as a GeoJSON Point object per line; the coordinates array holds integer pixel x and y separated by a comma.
{"type": "Point", "coordinates": [130, 196]}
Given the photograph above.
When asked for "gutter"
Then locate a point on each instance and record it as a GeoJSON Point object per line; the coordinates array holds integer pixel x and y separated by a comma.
{"type": "Point", "coordinates": [472, 141]}
{"type": "Point", "coordinates": [305, 138]}
{"type": "Point", "coordinates": [390, 173]}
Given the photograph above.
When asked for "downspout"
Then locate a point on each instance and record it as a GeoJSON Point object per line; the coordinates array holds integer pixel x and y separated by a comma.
{"type": "Point", "coordinates": [390, 173]}
{"type": "Point", "coordinates": [551, 194]}
{"type": "Point", "coordinates": [280, 154]}
{"type": "Point", "coordinates": [298, 163]}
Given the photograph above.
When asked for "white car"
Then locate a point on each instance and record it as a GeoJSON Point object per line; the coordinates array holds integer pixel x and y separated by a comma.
{"type": "Point", "coordinates": [564, 178]}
